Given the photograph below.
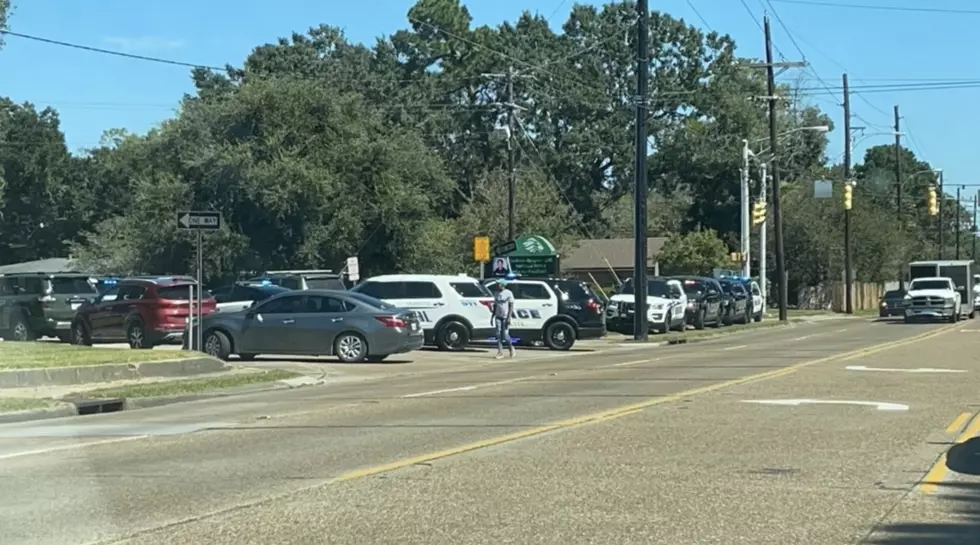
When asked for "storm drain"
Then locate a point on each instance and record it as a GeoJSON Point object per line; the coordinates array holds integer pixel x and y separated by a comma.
{"type": "Point", "coordinates": [99, 406]}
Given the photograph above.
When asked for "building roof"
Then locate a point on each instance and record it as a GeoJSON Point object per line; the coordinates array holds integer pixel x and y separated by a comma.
{"type": "Point", "coordinates": [51, 265]}
{"type": "Point", "coordinates": [605, 253]}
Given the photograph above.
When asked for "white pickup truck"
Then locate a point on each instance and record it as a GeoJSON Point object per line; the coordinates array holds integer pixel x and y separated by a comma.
{"type": "Point", "coordinates": [932, 298]}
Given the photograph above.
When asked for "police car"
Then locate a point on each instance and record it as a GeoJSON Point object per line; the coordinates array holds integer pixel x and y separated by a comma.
{"type": "Point", "coordinates": [758, 300]}
{"type": "Point", "coordinates": [452, 309]}
{"type": "Point", "coordinates": [555, 311]}
{"type": "Point", "coordinates": [666, 302]}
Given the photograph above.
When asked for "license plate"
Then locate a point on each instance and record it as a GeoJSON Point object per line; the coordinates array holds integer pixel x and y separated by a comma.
{"type": "Point", "coordinates": [75, 306]}
{"type": "Point", "coordinates": [415, 326]}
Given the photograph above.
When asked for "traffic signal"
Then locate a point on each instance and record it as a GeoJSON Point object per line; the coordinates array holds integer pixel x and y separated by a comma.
{"type": "Point", "coordinates": [759, 213]}
{"type": "Point", "coordinates": [933, 201]}
{"type": "Point", "coordinates": [848, 192]}
{"type": "Point", "coordinates": [736, 257]}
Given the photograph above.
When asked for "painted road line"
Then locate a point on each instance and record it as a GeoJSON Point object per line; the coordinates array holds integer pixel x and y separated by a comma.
{"type": "Point", "coordinates": [803, 338]}
{"type": "Point", "coordinates": [841, 330]}
{"type": "Point", "coordinates": [958, 424]}
{"type": "Point", "coordinates": [437, 392]}
{"type": "Point", "coordinates": [635, 362]}
{"type": "Point", "coordinates": [735, 347]}
{"type": "Point", "coordinates": [898, 370]}
{"type": "Point", "coordinates": [880, 405]}
{"type": "Point", "coordinates": [73, 446]}
{"type": "Point", "coordinates": [935, 477]}
{"type": "Point", "coordinates": [594, 418]}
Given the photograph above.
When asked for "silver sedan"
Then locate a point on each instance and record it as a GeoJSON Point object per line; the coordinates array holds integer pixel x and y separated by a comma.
{"type": "Point", "coordinates": [351, 326]}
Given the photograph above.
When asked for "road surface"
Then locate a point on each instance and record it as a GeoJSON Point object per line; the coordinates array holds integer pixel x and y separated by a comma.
{"type": "Point", "coordinates": [824, 433]}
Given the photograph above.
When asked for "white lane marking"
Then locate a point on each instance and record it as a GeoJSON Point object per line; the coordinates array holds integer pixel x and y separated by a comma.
{"type": "Point", "coordinates": [969, 330]}
{"type": "Point", "coordinates": [75, 446]}
{"type": "Point", "coordinates": [446, 391]}
{"type": "Point", "coordinates": [880, 405]}
{"type": "Point", "coordinates": [896, 370]}
{"type": "Point", "coordinates": [628, 363]}
{"type": "Point", "coordinates": [735, 347]}
{"type": "Point", "coordinates": [471, 387]}
{"type": "Point", "coordinates": [803, 338]}
{"type": "Point", "coordinates": [841, 330]}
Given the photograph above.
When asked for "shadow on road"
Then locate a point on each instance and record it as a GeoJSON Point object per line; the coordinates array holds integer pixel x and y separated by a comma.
{"type": "Point", "coordinates": [960, 500]}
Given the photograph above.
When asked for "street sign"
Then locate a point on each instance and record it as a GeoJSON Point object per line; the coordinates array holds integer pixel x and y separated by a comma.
{"type": "Point", "coordinates": [353, 269]}
{"type": "Point", "coordinates": [481, 249]}
{"type": "Point", "coordinates": [823, 189]}
{"type": "Point", "coordinates": [199, 220]}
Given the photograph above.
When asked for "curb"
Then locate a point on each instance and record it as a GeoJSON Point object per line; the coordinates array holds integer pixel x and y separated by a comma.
{"type": "Point", "coordinates": [76, 407]}
{"type": "Point", "coordinates": [92, 374]}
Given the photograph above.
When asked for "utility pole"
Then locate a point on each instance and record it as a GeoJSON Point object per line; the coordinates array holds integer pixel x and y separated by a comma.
{"type": "Point", "coordinates": [848, 267]}
{"type": "Point", "coordinates": [763, 194]}
{"type": "Point", "coordinates": [746, 224]}
{"type": "Point", "coordinates": [898, 192]}
{"type": "Point", "coordinates": [511, 161]}
{"type": "Point", "coordinates": [958, 222]}
{"type": "Point", "coordinates": [939, 220]}
{"type": "Point", "coordinates": [640, 325]}
{"type": "Point", "coordinates": [777, 209]}
{"type": "Point", "coordinates": [973, 239]}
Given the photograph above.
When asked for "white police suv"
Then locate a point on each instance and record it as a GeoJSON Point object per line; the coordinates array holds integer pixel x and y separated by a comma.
{"type": "Point", "coordinates": [666, 302]}
{"type": "Point", "coordinates": [452, 309]}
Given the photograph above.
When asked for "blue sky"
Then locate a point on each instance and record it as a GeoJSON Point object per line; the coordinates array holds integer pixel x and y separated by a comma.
{"type": "Point", "coordinates": [95, 92]}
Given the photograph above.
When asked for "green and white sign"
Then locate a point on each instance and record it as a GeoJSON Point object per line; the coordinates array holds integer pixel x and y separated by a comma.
{"type": "Point", "coordinates": [530, 255]}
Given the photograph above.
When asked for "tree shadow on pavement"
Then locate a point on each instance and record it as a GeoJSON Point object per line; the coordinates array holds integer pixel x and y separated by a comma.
{"type": "Point", "coordinates": [954, 513]}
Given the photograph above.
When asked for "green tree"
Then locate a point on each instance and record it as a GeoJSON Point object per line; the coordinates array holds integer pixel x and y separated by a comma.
{"type": "Point", "coordinates": [697, 252]}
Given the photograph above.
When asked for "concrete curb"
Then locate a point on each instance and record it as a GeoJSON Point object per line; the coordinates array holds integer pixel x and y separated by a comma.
{"type": "Point", "coordinates": [93, 374]}
{"type": "Point", "coordinates": [66, 409]}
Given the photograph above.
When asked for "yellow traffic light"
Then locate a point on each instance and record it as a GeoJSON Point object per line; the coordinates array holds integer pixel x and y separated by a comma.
{"type": "Point", "coordinates": [759, 213]}
{"type": "Point", "coordinates": [933, 201]}
{"type": "Point", "coordinates": [481, 249]}
{"type": "Point", "coordinates": [735, 257]}
{"type": "Point", "coordinates": [848, 192]}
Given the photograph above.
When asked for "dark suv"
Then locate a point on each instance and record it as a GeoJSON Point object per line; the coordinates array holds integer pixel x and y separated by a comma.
{"type": "Point", "coordinates": [704, 297]}
{"type": "Point", "coordinates": [142, 311]}
{"type": "Point", "coordinates": [36, 305]}
{"type": "Point", "coordinates": [738, 305]}
{"type": "Point", "coordinates": [303, 279]}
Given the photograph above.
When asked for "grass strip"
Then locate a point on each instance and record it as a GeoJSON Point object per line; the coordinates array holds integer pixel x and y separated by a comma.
{"type": "Point", "coordinates": [191, 386]}
{"type": "Point", "coordinates": [41, 355]}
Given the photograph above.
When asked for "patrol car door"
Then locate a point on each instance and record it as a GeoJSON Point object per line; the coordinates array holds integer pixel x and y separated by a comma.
{"type": "Point", "coordinates": [534, 303]}
{"type": "Point", "coordinates": [425, 298]}
{"type": "Point", "coordinates": [758, 301]}
{"type": "Point", "coordinates": [678, 301]}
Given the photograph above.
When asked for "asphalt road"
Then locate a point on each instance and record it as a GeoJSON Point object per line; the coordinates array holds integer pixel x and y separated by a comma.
{"type": "Point", "coordinates": [697, 444]}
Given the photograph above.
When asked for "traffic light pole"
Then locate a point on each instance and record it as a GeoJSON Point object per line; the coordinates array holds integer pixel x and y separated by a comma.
{"type": "Point", "coordinates": [939, 221]}
{"type": "Point", "coordinates": [745, 198]}
{"type": "Point", "coordinates": [848, 266]}
{"type": "Point", "coordinates": [764, 195]}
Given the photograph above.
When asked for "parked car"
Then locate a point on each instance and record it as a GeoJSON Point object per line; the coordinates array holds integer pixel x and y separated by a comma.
{"type": "Point", "coordinates": [703, 301]}
{"type": "Point", "coordinates": [665, 306]}
{"type": "Point", "coordinates": [312, 279]}
{"type": "Point", "coordinates": [142, 311]}
{"type": "Point", "coordinates": [892, 304]}
{"type": "Point", "coordinates": [36, 305]}
{"type": "Point", "coordinates": [351, 326]}
{"type": "Point", "coordinates": [738, 303]}
{"type": "Point", "coordinates": [242, 295]}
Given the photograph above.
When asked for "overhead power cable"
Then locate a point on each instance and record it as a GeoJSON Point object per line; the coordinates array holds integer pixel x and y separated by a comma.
{"type": "Point", "coordinates": [880, 7]}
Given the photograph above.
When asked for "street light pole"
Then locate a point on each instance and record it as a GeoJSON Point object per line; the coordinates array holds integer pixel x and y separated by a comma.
{"type": "Point", "coordinates": [746, 237]}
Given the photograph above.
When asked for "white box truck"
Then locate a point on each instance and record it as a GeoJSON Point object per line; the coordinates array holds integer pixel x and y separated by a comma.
{"type": "Point", "coordinates": [961, 272]}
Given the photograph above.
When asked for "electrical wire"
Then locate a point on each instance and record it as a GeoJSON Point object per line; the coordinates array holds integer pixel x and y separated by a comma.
{"type": "Point", "coordinates": [880, 7]}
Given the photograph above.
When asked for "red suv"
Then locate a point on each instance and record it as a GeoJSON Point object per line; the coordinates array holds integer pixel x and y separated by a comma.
{"type": "Point", "coordinates": [142, 311]}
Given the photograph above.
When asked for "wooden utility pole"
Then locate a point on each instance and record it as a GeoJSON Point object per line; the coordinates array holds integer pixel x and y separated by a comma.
{"type": "Point", "coordinates": [640, 323]}
{"type": "Point", "coordinates": [848, 266]}
{"type": "Point", "coordinates": [898, 192]}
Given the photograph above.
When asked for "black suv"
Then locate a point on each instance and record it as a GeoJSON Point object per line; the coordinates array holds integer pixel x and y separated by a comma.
{"type": "Point", "coordinates": [738, 305]}
{"type": "Point", "coordinates": [704, 297]}
{"type": "Point", "coordinates": [36, 305]}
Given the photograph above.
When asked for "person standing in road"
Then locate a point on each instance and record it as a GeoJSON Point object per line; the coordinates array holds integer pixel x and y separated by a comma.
{"type": "Point", "coordinates": [503, 309]}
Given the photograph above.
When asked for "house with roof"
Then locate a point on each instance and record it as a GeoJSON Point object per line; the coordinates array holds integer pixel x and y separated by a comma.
{"type": "Point", "coordinates": [607, 262]}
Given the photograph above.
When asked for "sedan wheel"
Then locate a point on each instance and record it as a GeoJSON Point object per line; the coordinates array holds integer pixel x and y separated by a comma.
{"type": "Point", "coordinates": [137, 336]}
{"type": "Point", "coordinates": [350, 348]}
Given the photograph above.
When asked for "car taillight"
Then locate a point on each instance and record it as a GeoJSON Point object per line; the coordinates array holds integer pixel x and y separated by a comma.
{"type": "Point", "coordinates": [592, 305]}
{"type": "Point", "coordinates": [391, 321]}
{"type": "Point", "coordinates": [488, 304]}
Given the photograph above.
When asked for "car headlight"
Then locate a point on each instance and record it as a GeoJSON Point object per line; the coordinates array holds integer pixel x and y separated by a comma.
{"type": "Point", "coordinates": [908, 297]}
{"type": "Point", "coordinates": [657, 306]}
{"type": "Point", "coordinates": [950, 300]}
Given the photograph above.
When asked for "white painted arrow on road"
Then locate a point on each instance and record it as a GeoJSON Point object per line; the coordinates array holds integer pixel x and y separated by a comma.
{"type": "Point", "coordinates": [880, 405]}
{"type": "Point", "coordinates": [895, 370]}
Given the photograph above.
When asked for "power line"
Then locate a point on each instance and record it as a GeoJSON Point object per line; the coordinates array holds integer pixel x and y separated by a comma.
{"type": "Point", "coordinates": [697, 13]}
{"type": "Point", "coordinates": [879, 7]}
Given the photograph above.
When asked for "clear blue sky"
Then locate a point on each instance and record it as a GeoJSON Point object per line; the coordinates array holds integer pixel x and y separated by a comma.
{"type": "Point", "coordinates": [95, 92]}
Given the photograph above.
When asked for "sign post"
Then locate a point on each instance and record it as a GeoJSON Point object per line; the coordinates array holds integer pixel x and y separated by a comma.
{"type": "Point", "coordinates": [353, 269]}
{"type": "Point", "coordinates": [198, 221]}
{"type": "Point", "coordinates": [481, 252]}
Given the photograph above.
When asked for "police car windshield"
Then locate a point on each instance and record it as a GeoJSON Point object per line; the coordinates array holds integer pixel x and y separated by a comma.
{"type": "Point", "coordinates": [655, 288]}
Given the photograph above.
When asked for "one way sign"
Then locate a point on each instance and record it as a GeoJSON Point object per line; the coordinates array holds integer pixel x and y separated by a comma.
{"type": "Point", "coordinates": [199, 220]}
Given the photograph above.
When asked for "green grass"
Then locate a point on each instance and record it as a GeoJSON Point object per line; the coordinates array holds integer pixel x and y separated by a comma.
{"type": "Point", "coordinates": [14, 404]}
{"type": "Point", "coordinates": [191, 386]}
{"type": "Point", "coordinates": [34, 355]}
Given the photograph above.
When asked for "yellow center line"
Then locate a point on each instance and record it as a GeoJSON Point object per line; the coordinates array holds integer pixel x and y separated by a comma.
{"type": "Point", "coordinates": [957, 424]}
{"type": "Point", "coordinates": [931, 482]}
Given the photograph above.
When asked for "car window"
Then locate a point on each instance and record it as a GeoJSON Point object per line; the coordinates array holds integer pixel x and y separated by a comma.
{"type": "Point", "coordinates": [323, 303]}
{"type": "Point", "coordinates": [756, 290]}
{"type": "Point", "coordinates": [693, 287]}
{"type": "Point", "coordinates": [381, 290]}
{"type": "Point", "coordinates": [422, 290]}
{"type": "Point", "coordinates": [224, 294]}
{"type": "Point", "coordinates": [325, 283]}
{"type": "Point", "coordinates": [110, 294]}
{"type": "Point", "coordinates": [576, 291]}
{"type": "Point", "coordinates": [529, 291]}
{"type": "Point", "coordinates": [370, 301]}
{"type": "Point", "coordinates": [67, 285]}
{"type": "Point", "coordinates": [893, 294]}
{"type": "Point", "coordinates": [130, 292]}
{"type": "Point", "coordinates": [929, 285]}
{"type": "Point", "coordinates": [180, 292]}
{"type": "Point", "coordinates": [6, 286]}
{"type": "Point", "coordinates": [263, 293]}
{"type": "Point", "coordinates": [290, 304]}
{"type": "Point", "coordinates": [30, 285]}
{"type": "Point", "coordinates": [470, 289]}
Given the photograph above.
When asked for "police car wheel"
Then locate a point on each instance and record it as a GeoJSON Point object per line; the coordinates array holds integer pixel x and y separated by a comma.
{"type": "Point", "coordinates": [453, 336]}
{"type": "Point", "coordinates": [559, 336]}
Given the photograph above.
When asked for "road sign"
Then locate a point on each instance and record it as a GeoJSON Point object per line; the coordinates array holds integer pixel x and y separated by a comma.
{"type": "Point", "coordinates": [353, 269]}
{"type": "Point", "coordinates": [481, 249]}
{"type": "Point", "coordinates": [823, 189]}
{"type": "Point", "coordinates": [199, 220]}
{"type": "Point", "coordinates": [880, 405]}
